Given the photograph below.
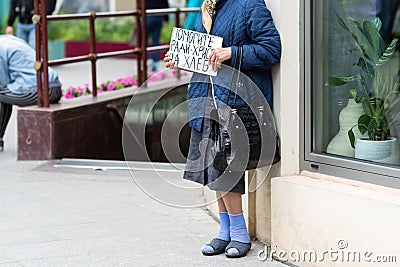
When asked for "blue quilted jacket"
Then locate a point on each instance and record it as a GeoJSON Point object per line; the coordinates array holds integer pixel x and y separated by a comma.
{"type": "Point", "coordinates": [241, 23]}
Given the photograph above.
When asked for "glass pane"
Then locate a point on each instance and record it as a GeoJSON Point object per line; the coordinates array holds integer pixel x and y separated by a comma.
{"type": "Point", "coordinates": [374, 69]}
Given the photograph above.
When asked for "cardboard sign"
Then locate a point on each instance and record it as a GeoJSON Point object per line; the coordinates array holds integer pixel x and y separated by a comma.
{"type": "Point", "coordinates": [190, 50]}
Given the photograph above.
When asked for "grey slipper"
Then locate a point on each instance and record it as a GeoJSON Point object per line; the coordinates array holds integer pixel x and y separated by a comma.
{"type": "Point", "coordinates": [218, 245]}
{"type": "Point", "coordinates": [242, 248]}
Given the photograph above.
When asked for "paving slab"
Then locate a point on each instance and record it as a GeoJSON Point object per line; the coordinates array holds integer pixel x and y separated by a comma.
{"type": "Point", "coordinates": [54, 216]}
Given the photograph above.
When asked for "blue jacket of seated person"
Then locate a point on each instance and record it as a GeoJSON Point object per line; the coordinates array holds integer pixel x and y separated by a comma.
{"type": "Point", "coordinates": [241, 23]}
{"type": "Point", "coordinates": [17, 71]}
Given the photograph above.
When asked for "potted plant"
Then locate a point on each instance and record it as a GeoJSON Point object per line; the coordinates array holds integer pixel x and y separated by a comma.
{"type": "Point", "coordinates": [378, 90]}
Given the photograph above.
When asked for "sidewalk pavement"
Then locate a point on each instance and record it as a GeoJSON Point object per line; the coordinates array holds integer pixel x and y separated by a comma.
{"type": "Point", "coordinates": [77, 217]}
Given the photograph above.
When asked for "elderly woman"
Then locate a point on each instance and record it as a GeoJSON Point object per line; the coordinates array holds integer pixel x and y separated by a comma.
{"type": "Point", "coordinates": [245, 26]}
{"type": "Point", "coordinates": [18, 79]}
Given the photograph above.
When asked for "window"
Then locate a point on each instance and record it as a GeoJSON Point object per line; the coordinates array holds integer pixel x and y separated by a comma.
{"type": "Point", "coordinates": [330, 111]}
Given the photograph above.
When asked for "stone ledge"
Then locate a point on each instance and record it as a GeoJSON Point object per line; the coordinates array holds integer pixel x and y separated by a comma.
{"type": "Point", "coordinates": [79, 128]}
{"type": "Point", "coordinates": [345, 186]}
{"type": "Point", "coordinates": [313, 212]}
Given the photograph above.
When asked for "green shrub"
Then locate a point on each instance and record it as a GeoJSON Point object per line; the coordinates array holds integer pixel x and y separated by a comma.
{"type": "Point", "coordinates": [166, 33]}
{"type": "Point", "coordinates": [115, 30]}
{"type": "Point", "coordinates": [107, 29]}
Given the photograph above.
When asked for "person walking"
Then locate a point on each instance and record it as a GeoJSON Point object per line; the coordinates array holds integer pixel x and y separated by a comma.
{"type": "Point", "coordinates": [245, 26]}
{"type": "Point", "coordinates": [18, 84]}
{"type": "Point", "coordinates": [153, 28]}
{"type": "Point", "coordinates": [24, 10]}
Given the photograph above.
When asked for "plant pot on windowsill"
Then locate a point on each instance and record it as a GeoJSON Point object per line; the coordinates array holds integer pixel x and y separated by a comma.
{"type": "Point", "coordinates": [386, 151]}
{"type": "Point", "coordinates": [376, 87]}
{"type": "Point", "coordinates": [379, 146]}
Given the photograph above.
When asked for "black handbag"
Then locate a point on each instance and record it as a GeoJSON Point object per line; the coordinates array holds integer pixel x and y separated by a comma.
{"type": "Point", "coordinates": [244, 136]}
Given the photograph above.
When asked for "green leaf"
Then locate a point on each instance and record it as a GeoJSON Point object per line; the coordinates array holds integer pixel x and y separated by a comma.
{"type": "Point", "coordinates": [355, 96]}
{"type": "Point", "coordinates": [353, 93]}
{"type": "Point", "coordinates": [388, 53]}
{"type": "Point", "coordinates": [372, 130]}
{"type": "Point", "coordinates": [367, 107]}
{"type": "Point", "coordinates": [367, 68]}
{"type": "Point", "coordinates": [378, 23]}
{"type": "Point", "coordinates": [357, 24]}
{"type": "Point", "coordinates": [360, 48]}
{"type": "Point", "coordinates": [362, 121]}
{"type": "Point", "coordinates": [369, 41]}
{"type": "Point", "coordinates": [338, 81]}
{"type": "Point", "coordinates": [342, 23]}
{"type": "Point", "coordinates": [374, 37]}
{"type": "Point", "coordinates": [352, 137]}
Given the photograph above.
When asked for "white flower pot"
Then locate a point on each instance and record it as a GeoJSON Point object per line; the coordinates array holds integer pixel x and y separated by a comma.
{"type": "Point", "coordinates": [348, 117]}
{"type": "Point", "coordinates": [380, 151]}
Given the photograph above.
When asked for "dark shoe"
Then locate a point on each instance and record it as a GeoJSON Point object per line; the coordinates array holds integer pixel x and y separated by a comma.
{"type": "Point", "coordinates": [218, 246]}
{"type": "Point", "coordinates": [1, 145]}
{"type": "Point", "coordinates": [242, 249]}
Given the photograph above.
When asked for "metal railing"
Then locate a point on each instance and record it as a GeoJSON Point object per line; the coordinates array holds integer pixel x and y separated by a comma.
{"type": "Point", "coordinates": [140, 50]}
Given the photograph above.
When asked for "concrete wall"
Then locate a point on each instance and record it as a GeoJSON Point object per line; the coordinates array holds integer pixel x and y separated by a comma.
{"type": "Point", "coordinates": [355, 222]}
{"type": "Point", "coordinates": [286, 110]}
{"type": "Point", "coordinates": [287, 82]}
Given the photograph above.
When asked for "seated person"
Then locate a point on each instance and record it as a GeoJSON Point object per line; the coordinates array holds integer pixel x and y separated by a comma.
{"type": "Point", "coordinates": [18, 79]}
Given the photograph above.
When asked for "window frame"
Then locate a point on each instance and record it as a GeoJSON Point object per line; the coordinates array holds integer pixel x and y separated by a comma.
{"type": "Point", "coordinates": [334, 165]}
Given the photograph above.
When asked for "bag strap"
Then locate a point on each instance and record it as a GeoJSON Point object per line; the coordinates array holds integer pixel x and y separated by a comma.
{"type": "Point", "coordinates": [233, 76]}
{"type": "Point", "coordinates": [213, 92]}
{"type": "Point", "coordinates": [230, 84]}
{"type": "Point", "coordinates": [238, 75]}
{"type": "Point", "coordinates": [246, 81]}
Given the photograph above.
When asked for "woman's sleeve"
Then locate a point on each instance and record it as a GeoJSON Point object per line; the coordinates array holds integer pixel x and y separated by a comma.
{"type": "Point", "coordinates": [264, 50]}
{"type": "Point", "coordinates": [12, 15]}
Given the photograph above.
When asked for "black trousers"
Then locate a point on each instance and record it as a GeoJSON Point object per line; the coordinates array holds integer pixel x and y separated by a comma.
{"type": "Point", "coordinates": [8, 99]}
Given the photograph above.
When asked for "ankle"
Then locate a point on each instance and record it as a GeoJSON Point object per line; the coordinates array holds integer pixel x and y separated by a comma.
{"type": "Point", "coordinates": [224, 233]}
{"type": "Point", "coordinates": [238, 228]}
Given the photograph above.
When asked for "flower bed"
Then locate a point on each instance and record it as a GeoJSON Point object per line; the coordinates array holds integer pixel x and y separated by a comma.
{"type": "Point", "coordinates": [123, 82]}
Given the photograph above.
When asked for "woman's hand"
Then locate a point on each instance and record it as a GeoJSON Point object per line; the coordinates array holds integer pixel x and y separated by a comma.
{"type": "Point", "coordinates": [218, 56]}
{"type": "Point", "coordinates": [9, 30]}
{"type": "Point", "coordinates": [169, 62]}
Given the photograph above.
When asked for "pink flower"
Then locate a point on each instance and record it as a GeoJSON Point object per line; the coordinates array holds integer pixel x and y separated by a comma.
{"type": "Point", "coordinates": [175, 73]}
{"type": "Point", "coordinates": [111, 87]}
{"type": "Point", "coordinates": [130, 81]}
{"type": "Point", "coordinates": [68, 94]}
{"type": "Point", "coordinates": [127, 81]}
{"type": "Point", "coordinates": [119, 83]}
{"type": "Point", "coordinates": [120, 80]}
{"type": "Point", "coordinates": [157, 77]}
